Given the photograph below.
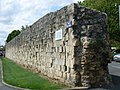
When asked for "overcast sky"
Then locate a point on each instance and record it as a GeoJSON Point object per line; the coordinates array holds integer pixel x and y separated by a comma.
{"type": "Point", "coordinates": [17, 13]}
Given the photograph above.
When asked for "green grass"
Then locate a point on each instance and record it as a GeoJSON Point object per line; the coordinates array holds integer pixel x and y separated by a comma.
{"type": "Point", "coordinates": [16, 75]}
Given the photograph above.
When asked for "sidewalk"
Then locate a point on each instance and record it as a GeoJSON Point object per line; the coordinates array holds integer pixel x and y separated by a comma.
{"type": "Point", "coordinates": [3, 86]}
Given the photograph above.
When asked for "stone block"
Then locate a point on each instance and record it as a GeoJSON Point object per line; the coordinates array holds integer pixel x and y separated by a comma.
{"type": "Point", "coordinates": [62, 56]}
{"type": "Point", "coordinates": [61, 62]}
{"type": "Point", "coordinates": [64, 75]}
{"type": "Point", "coordinates": [66, 37]}
{"type": "Point", "coordinates": [73, 78]}
{"type": "Point", "coordinates": [60, 49]}
{"type": "Point", "coordinates": [72, 71]}
{"type": "Point", "coordinates": [60, 74]}
{"type": "Point", "coordinates": [68, 69]}
{"type": "Point", "coordinates": [67, 62]}
{"type": "Point", "coordinates": [67, 49]}
{"type": "Point", "coordinates": [59, 68]}
{"type": "Point", "coordinates": [68, 77]}
{"type": "Point", "coordinates": [76, 42]}
{"type": "Point", "coordinates": [63, 68]}
{"type": "Point", "coordinates": [64, 48]}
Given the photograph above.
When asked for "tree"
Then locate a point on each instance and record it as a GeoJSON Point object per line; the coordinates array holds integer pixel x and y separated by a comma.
{"type": "Point", "coordinates": [24, 27]}
{"type": "Point", "coordinates": [107, 6]}
{"type": "Point", "coordinates": [13, 34]}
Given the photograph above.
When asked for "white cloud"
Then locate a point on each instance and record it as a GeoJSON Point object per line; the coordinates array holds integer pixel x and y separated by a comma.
{"type": "Point", "coordinates": [15, 13]}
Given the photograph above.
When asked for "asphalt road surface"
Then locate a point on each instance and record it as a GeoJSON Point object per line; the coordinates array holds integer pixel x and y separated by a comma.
{"type": "Point", "coordinates": [114, 70]}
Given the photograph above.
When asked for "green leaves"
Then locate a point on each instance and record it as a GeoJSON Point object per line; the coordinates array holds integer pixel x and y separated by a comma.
{"type": "Point", "coordinates": [107, 6]}
{"type": "Point", "coordinates": [13, 34]}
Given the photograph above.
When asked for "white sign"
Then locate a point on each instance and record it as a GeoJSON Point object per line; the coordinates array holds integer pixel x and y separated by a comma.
{"type": "Point", "coordinates": [58, 34]}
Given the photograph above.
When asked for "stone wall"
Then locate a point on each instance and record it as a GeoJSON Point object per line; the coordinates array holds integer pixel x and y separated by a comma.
{"type": "Point", "coordinates": [70, 45]}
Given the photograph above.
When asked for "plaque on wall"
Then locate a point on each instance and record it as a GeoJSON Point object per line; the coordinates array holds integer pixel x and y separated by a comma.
{"type": "Point", "coordinates": [58, 35]}
{"type": "Point", "coordinates": [68, 24]}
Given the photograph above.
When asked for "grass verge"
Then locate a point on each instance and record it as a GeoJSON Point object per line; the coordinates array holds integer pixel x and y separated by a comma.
{"type": "Point", "coordinates": [15, 75]}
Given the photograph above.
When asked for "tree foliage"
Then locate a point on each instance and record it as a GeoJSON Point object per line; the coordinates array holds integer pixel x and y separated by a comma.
{"type": "Point", "coordinates": [24, 27]}
{"type": "Point", "coordinates": [109, 7]}
{"type": "Point", "coordinates": [13, 34]}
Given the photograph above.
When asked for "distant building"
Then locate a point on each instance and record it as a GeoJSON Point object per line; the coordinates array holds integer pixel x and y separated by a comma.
{"type": "Point", "coordinates": [2, 51]}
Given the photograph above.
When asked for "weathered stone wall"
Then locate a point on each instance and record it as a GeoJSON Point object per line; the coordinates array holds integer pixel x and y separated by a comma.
{"type": "Point", "coordinates": [79, 57]}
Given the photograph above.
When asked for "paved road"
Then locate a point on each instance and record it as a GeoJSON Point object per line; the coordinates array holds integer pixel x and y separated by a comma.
{"type": "Point", "coordinates": [114, 70]}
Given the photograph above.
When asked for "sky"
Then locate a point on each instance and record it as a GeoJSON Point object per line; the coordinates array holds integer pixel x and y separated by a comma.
{"type": "Point", "coordinates": [17, 13]}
